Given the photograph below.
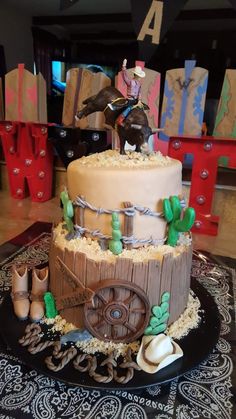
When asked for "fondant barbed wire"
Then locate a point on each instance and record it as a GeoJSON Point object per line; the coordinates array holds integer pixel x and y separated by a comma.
{"type": "Point", "coordinates": [130, 211]}
{"type": "Point", "coordinates": [126, 240]}
{"type": "Point", "coordinates": [93, 233]}
{"type": "Point", "coordinates": [132, 240]}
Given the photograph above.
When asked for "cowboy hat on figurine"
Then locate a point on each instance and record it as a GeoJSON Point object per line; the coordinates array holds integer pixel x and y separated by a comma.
{"type": "Point", "coordinates": [138, 71]}
{"type": "Point", "coordinates": [156, 352]}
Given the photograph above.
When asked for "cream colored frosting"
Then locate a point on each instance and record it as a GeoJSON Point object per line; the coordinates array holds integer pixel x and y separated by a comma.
{"type": "Point", "coordinates": [93, 251]}
{"type": "Point", "coordinates": [109, 179]}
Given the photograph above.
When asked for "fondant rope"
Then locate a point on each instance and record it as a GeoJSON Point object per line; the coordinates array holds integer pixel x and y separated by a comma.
{"type": "Point", "coordinates": [79, 359]}
{"type": "Point", "coordinates": [66, 357]}
{"type": "Point", "coordinates": [40, 347]}
{"type": "Point", "coordinates": [128, 364]}
{"type": "Point", "coordinates": [109, 362]}
{"type": "Point", "coordinates": [126, 240]}
{"type": "Point", "coordinates": [32, 332]}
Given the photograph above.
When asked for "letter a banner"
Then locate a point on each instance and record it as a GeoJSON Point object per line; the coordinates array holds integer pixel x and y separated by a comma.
{"type": "Point", "coordinates": [152, 19]}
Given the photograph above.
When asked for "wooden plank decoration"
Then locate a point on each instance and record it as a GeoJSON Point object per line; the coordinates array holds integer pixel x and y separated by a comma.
{"type": "Point", "coordinates": [52, 254]}
{"type": "Point", "coordinates": [153, 277]}
{"type": "Point", "coordinates": [25, 96]}
{"type": "Point", "coordinates": [80, 85]}
{"type": "Point", "coordinates": [123, 271]}
{"type": "Point", "coordinates": [80, 294]}
{"type": "Point", "coordinates": [68, 261]}
{"type": "Point", "coordinates": [128, 225]}
{"type": "Point", "coordinates": [80, 215]}
{"type": "Point", "coordinates": [56, 277]}
{"type": "Point", "coordinates": [177, 280]}
{"type": "Point", "coordinates": [99, 81]}
{"type": "Point", "coordinates": [154, 281]}
{"type": "Point", "coordinates": [107, 270]}
{"type": "Point", "coordinates": [93, 273]}
{"type": "Point", "coordinates": [80, 272]}
{"type": "Point", "coordinates": [80, 267]}
{"type": "Point", "coordinates": [166, 273]}
{"type": "Point", "coordinates": [225, 123]}
{"type": "Point", "coordinates": [74, 299]}
{"type": "Point", "coordinates": [183, 102]}
{"type": "Point", "coordinates": [188, 255]}
{"type": "Point", "coordinates": [139, 277]}
{"type": "Point", "coordinates": [41, 98]}
{"type": "Point", "coordinates": [93, 277]}
{"type": "Point", "coordinates": [68, 275]}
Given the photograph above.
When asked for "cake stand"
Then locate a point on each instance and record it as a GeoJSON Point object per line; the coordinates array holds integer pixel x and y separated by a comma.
{"type": "Point", "coordinates": [197, 345]}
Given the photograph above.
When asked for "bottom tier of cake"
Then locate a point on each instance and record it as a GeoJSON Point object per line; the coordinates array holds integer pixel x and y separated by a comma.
{"type": "Point", "coordinates": [112, 296]}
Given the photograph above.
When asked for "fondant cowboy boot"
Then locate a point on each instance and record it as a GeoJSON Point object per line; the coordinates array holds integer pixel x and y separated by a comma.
{"type": "Point", "coordinates": [39, 287]}
{"type": "Point", "coordinates": [19, 292]}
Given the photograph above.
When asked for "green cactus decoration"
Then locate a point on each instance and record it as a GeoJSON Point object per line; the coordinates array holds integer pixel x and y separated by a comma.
{"type": "Point", "coordinates": [172, 214]}
{"type": "Point", "coordinates": [68, 211]}
{"type": "Point", "coordinates": [50, 305]}
{"type": "Point", "coordinates": [158, 321]}
{"type": "Point", "coordinates": [115, 245]}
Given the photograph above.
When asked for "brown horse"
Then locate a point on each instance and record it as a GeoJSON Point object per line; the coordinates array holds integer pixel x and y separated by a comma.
{"type": "Point", "coordinates": [111, 102]}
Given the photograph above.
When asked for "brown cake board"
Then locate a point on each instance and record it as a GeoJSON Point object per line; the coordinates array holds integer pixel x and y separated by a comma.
{"type": "Point", "coordinates": [197, 345]}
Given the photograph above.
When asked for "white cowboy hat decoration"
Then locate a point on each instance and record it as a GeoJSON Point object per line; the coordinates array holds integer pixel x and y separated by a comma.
{"type": "Point", "coordinates": [156, 352]}
{"type": "Point", "coordinates": [138, 71]}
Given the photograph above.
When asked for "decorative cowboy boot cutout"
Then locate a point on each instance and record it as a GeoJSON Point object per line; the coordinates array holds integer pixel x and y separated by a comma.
{"type": "Point", "coordinates": [39, 287]}
{"type": "Point", "coordinates": [19, 292]}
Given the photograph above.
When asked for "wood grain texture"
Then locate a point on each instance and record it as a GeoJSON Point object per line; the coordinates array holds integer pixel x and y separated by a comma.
{"type": "Point", "coordinates": [128, 225]}
{"type": "Point", "coordinates": [139, 277]}
{"type": "Point", "coordinates": [80, 85]}
{"type": "Point", "coordinates": [80, 215]}
{"type": "Point", "coordinates": [225, 123]}
{"type": "Point", "coordinates": [180, 86]}
{"type": "Point", "coordinates": [154, 277]}
{"type": "Point", "coordinates": [25, 96]}
{"type": "Point", "coordinates": [69, 258]}
{"type": "Point", "coordinates": [154, 281]}
{"type": "Point", "coordinates": [166, 273]}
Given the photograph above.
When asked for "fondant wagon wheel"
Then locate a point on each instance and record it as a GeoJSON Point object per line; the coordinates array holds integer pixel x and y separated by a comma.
{"type": "Point", "coordinates": [119, 311]}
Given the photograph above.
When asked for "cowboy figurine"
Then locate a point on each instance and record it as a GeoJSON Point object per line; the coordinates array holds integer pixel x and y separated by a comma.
{"type": "Point", "coordinates": [133, 89]}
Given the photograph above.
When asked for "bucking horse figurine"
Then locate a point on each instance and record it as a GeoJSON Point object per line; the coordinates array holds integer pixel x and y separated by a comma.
{"type": "Point", "coordinates": [134, 129]}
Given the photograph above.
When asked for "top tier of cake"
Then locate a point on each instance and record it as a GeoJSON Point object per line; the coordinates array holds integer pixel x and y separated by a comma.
{"type": "Point", "coordinates": [110, 181]}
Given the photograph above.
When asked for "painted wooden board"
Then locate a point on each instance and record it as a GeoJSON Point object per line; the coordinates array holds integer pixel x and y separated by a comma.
{"type": "Point", "coordinates": [150, 93]}
{"type": "Point", "coordinates": [25, 96]}
{"type": "Point", "coordinates": [154, 281]}
{"type": "Point", "coordinates": [225, 123]}
{"type": "Point", "coordinates": [183, 102]}
{"type": "Point", "coordinates": [81, 84]}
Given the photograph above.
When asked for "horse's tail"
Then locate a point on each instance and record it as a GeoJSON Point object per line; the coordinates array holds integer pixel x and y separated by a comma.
{"type": "Point", "coordinates": [89, 99]}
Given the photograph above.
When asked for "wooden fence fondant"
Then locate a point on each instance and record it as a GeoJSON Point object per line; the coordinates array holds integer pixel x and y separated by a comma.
{"type": "Point", "coordinates": [154, 277]}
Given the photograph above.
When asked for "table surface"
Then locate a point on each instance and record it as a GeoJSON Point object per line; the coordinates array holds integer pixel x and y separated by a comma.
{"type": "Point", "coordinates": [204, 392]}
